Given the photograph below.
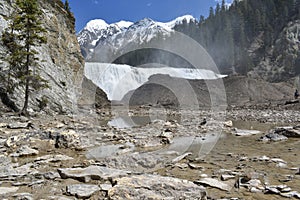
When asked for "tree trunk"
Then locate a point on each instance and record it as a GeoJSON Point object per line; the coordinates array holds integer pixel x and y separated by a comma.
{"type": "Point", "coordinates": [25, 107]}
{"type": "Point", "coordinates": [27, 73]}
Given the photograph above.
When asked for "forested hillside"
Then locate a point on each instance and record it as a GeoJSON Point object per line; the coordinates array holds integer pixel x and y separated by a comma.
{"type": "Point", "coordinates": [250, 33]}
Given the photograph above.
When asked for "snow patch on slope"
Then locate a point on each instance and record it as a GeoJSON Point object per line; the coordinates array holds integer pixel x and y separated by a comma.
{"type": "Point", "coordinates": [177, 21]}
{"type": "Point", "coordinates": [123, 24]}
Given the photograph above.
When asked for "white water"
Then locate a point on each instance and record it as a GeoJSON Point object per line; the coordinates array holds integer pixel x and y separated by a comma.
{"type": "Point", "coordinates": [116, 80]}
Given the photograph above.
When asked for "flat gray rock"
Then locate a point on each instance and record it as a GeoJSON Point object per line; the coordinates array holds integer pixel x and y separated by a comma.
{"type": "Point", "coordinates": [274, 137]}
{"type": "Point", "coordinates": [25, 151]}
{"type": "Point", "coordinates": [148, 186]}
{"type": "Point", "coordinates": [19, 125]}
{"type": "Point", "coordinates": [23, 196]}
{"type": "Point", "coordinates": [7, 170]}
{"type": "Point", "coordinates": [3, 125]}
{"type": "Point", "coordinates": [225, 177]}
{"type": "Point", "coordinates": [214, 183]}
{"type": "Point", "coordinates": [7, 190]}
{"type": "Point", "coordinates": [91, 173]}
{"type": "Point", "coordinates": [137, 162]}
{"type": "Point", "coordinates": [291, 194]}
{"type": "Point", "coordinates": [82, 190]}
{"type": "Point", "coordinates": [52, 158]}
{"type": "Point", "coordinates": [242, 132]}
{"type": "Point", "coordinates": [105, 187]}
{"type": "Point", "coordinates": [181, 157]}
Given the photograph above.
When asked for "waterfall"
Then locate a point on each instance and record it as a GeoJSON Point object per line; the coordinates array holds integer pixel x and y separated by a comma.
{"type": "Point", "coordinates": [116, 80]}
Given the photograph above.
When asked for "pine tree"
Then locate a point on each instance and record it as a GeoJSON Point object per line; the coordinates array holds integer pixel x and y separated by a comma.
{"type": "Point", "coordinates": [12, 58]}
{"type": "Point", "coordinates": [211, 13]}
{"type": "Point", "coordinates": [223, 6]}
{"type": "Point", "coordinates": [201, 20]}
{"type": "Point", "coordinates": [25, 31]}
{"type": "Point", "coordinates": [218, 9]}
{"type": "Point", "coordinates": [67, 6]}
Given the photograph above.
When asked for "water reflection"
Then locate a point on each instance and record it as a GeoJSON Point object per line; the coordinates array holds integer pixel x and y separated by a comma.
{"type": "Point", "coordinates": [198, 146]}
{"type": "Point", "coordinates": [109, 150]}
{"type": "Point", "coordinates": [129, 121]}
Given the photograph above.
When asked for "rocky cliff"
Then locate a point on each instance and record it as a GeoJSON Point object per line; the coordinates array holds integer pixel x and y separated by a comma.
{"type": "Point", "coordinates": [62, 63]}
{"type": "Point", "coordinates": [163, 90]}
{"type": "Point", "coordinates": [282, 60]}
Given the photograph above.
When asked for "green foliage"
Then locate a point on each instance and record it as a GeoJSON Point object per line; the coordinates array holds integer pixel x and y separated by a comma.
{"type": "Point", "coordinates": [24, 33]}
{"type": "Point", "coordinates": [13, 59]}
{"type": "Point", "coordinates": [67, 6]}
{"type": "Point", "coordinates": [227, 33]}
{"type": "Point", "coordinates": [43, 102]}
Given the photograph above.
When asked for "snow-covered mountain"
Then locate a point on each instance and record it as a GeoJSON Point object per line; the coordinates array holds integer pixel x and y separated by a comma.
{"type": "Point", "coordinates": [103, 39]}
{"type": "Point", "coordinates": [98, 30]}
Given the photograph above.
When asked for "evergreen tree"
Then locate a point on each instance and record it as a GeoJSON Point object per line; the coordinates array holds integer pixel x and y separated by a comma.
{"type": "Point", "coordinates": [211, 13]}
{"type": "Point", "coordinates": [67, 6]}
{"type": "Point", "coordinates": [13, 58]}
{"type": "Point", "coordinates": [218, 9]}
{"type": "Point", "coordinates": [201, 20]}
{"type": "Point", "coordinates": [223, 6]}
{"type": "Point", "coordinates": [22, 36]}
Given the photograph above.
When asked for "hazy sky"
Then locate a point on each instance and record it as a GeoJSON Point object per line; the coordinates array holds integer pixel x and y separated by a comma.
{"type": "Point", "coordinates": [133, 10]}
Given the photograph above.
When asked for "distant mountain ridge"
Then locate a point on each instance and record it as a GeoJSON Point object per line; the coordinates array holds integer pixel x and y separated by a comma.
{"type": "Point", "coordinates": [98, 34]}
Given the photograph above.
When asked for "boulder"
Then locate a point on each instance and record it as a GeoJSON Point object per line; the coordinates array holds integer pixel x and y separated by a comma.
{"type": "Point", "coordinates": [148, 186]}
{"type": "Point", "coordinates": [92, 96]}
{"type": "Point", "coordinates": [274, 137]}
{"type": "Point", "coordinates": [290, 132]}
{"type": "Point", "coordinates": [91, 173]}
{"type": "Point", "coordinates": [68, 139]}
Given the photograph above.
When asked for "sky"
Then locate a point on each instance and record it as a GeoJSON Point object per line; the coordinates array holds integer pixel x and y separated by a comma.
{"type": "Point", "coordinates": [133, 10]}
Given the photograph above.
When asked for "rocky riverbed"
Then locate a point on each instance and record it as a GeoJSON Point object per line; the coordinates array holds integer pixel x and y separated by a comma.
{"type": "Point", "coordinates": [151, 153]}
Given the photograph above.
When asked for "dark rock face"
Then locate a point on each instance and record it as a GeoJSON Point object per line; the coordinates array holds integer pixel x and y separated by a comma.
{"type": "Point", "coordinates": [154, 98]}
{"type": "Point", "coordinates": [92, 95]}
{"type": "Point", "coordinates": [7, 101]}
{"type": "Point", "coordinates": [175, 92]}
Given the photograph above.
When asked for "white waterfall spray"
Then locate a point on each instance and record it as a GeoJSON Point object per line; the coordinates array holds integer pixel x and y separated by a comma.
{"type": "Point", "coordinates": [116, 80]}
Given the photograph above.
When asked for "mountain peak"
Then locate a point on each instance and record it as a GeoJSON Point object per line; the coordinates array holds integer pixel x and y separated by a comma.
{"type": "Point", "coordinates": [179, 20]}
{"type": "Point", "coordinates": [96, 24]}
{"type": "Point", "coordinates": [123, 24]}
{"type": "Point", "coordinates": [98, 33]}
{"type": "Point", "coordinates": [145, 21]}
